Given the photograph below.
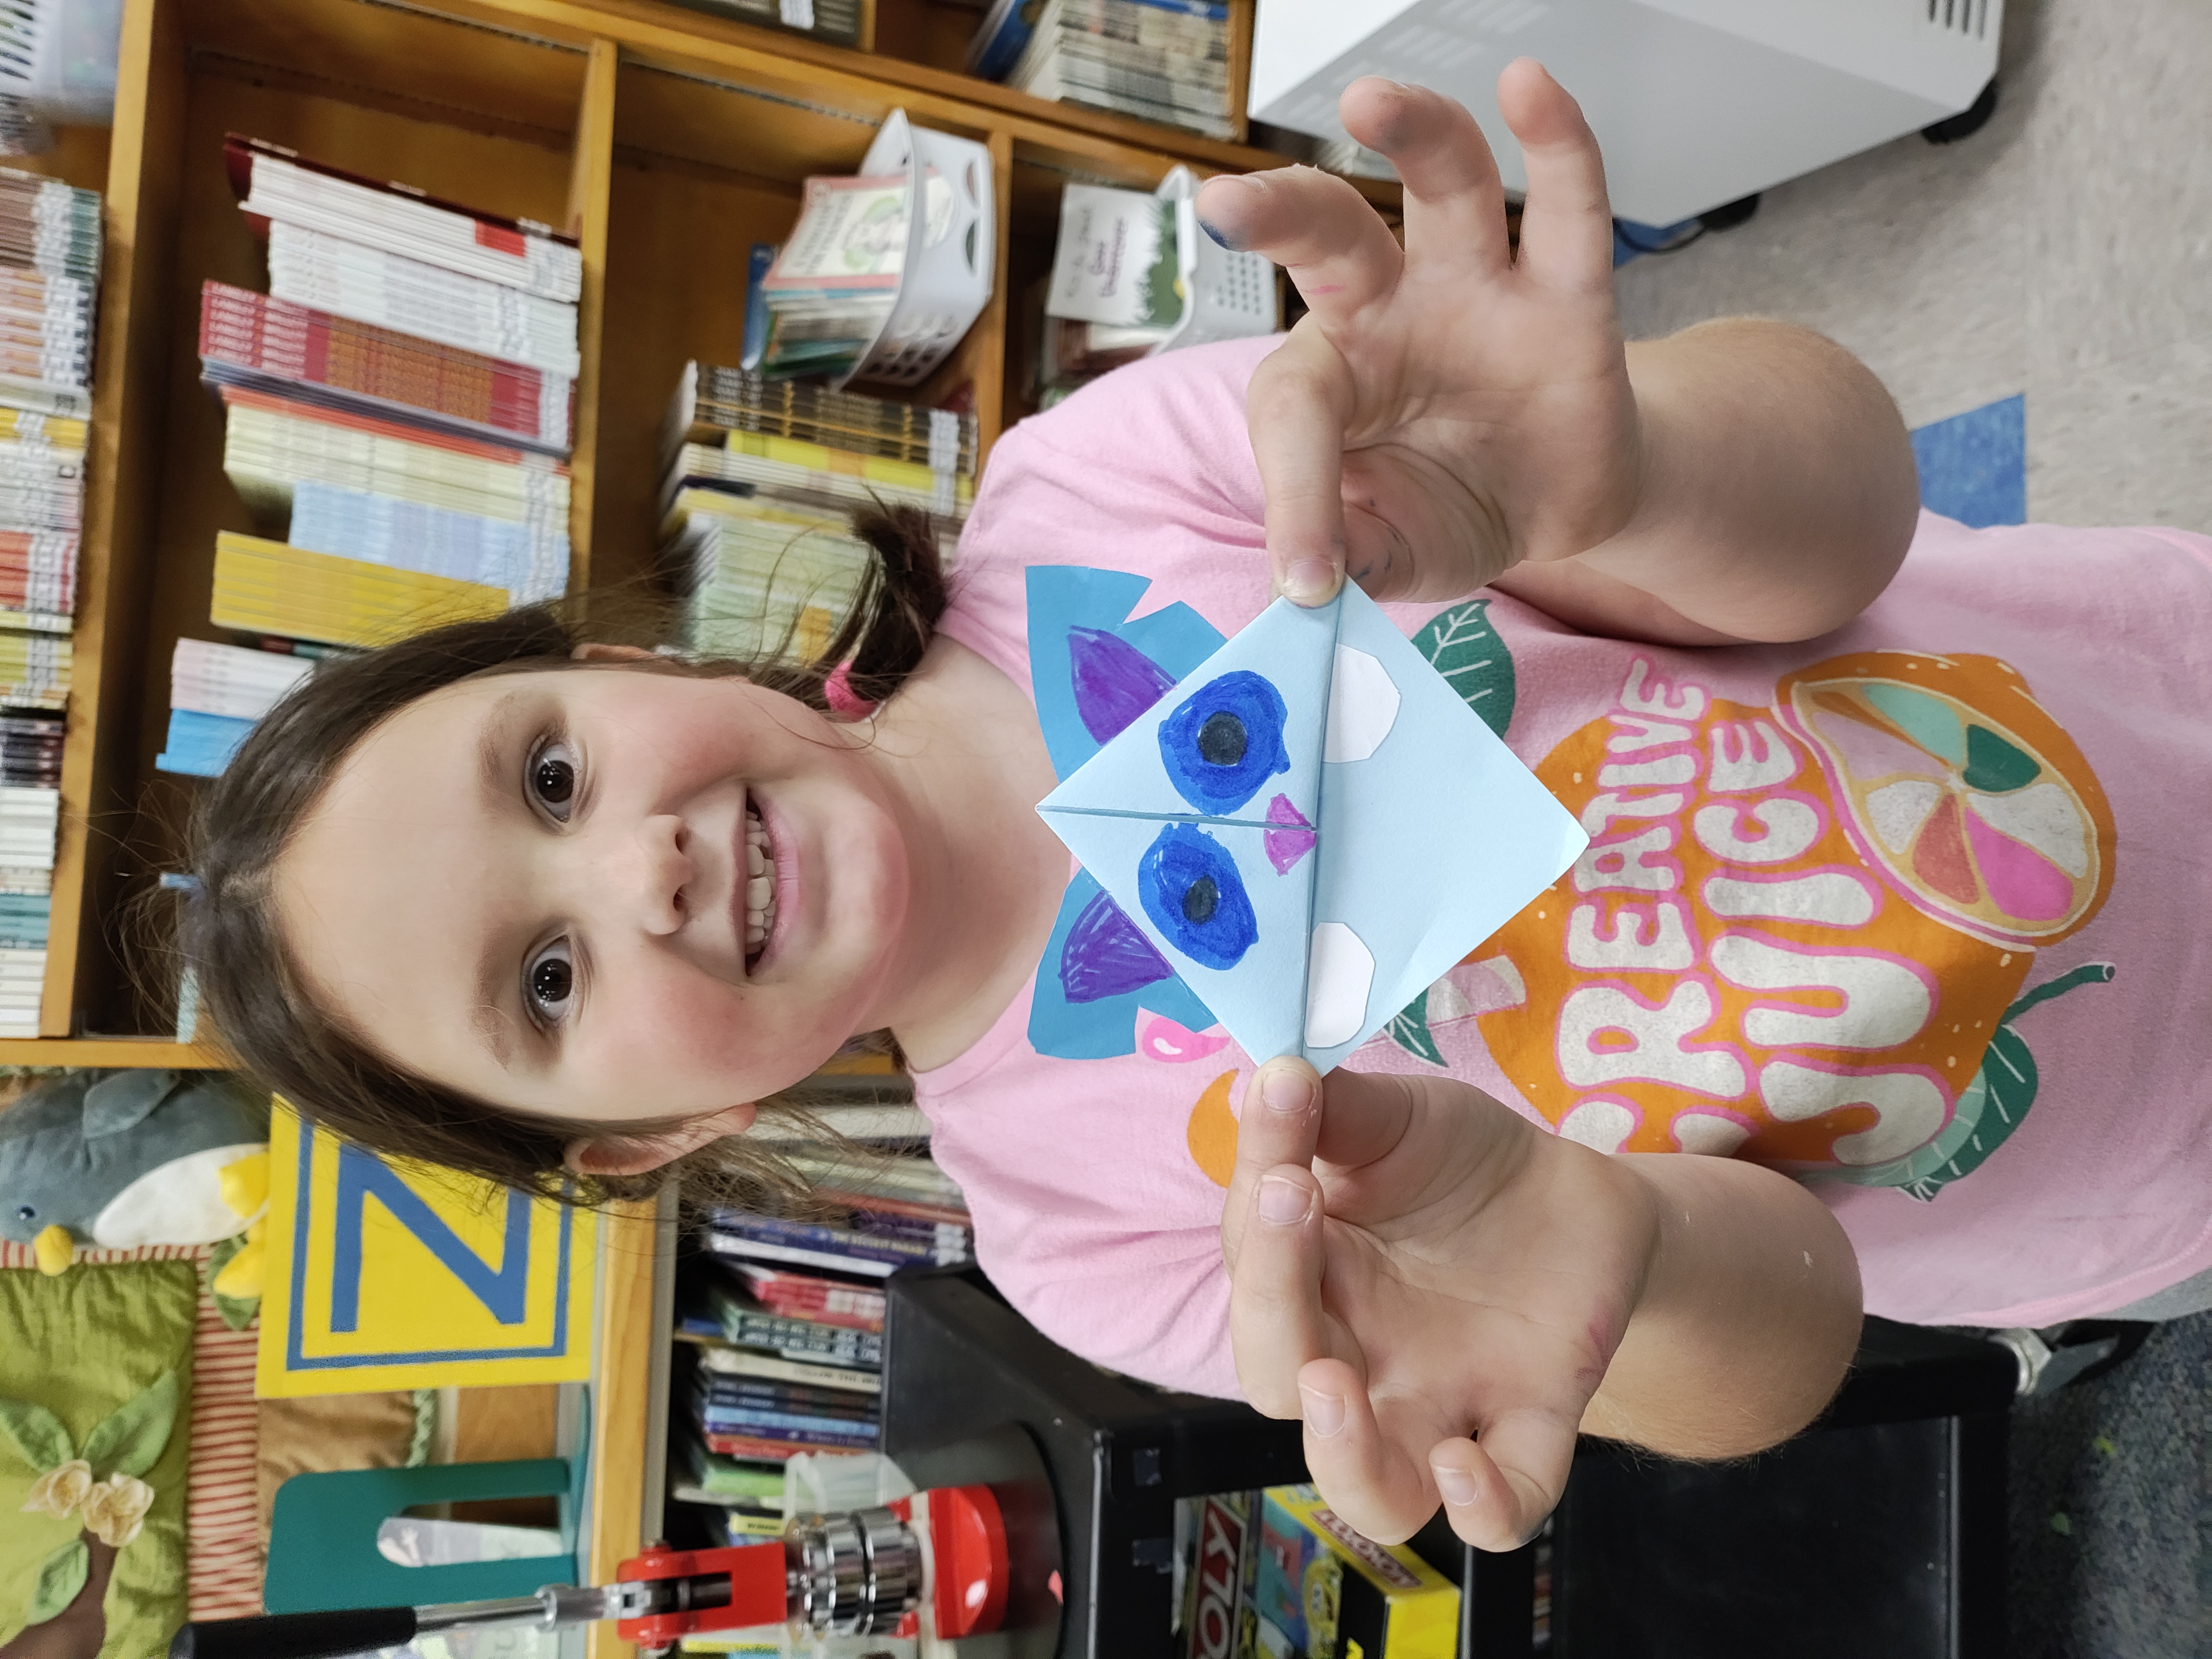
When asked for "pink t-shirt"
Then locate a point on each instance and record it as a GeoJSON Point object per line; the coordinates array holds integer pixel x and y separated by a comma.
{"type": "Point", "coordinates": [1889, 908]}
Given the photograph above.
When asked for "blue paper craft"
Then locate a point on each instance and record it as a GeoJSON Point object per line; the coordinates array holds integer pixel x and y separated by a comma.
{"type": "Point", "coordinates": [1308, 829]}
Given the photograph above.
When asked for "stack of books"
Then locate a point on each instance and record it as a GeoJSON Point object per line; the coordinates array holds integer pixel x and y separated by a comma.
{"type": "Point", "coordinates": [216, 692]}
{"type": "Point", "coordinates": [273, 588]}
{"type": "Point", "coordinates": [785, 1321]}
{"type": "Point", "coordinates": [273, 444]}
{"type": "Point", "coordinates": [399, 404]}
{"type": "Point", "coordinates": [833, 284]}
{"type": "Point", "coordinates": [761, 480]}
{"type": "Point", "coordinates": [1158, 60]}
{"type": "Point", "coordinates": [50, 257]}
{"type": "Point", "coordinates": [272, 345]}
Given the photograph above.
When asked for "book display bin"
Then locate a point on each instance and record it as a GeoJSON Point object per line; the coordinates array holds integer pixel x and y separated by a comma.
{"type": "Point", "coordinates": [666, 140]}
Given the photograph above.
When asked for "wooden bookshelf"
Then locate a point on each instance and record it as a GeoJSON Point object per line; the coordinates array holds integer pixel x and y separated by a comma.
{"type": "Point", "coordinates": [667, 141]}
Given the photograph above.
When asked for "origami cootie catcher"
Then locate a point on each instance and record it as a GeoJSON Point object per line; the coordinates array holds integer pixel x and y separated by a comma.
{"type": "Point", "coordinates": [1310, 828]}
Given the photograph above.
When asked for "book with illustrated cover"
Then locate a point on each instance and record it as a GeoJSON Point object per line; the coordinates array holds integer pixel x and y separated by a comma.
{"type": "Point", "coordinates": [851, 239]}
{"type": "Point", "coordinates": [276, 184]}
{"type": "Point", "coordinates": [1115, 262]}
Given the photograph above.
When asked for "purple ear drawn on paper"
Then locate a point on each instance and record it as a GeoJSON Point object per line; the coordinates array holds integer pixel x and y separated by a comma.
{"type": "Point", "coordinates": [1289, 843]}
{"type": "Point", "coordinates": [1106, 955]}
{"type": "Point", "coordinates": [1114, 681]}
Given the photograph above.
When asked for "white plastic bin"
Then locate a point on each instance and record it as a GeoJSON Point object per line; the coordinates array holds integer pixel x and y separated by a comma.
{"type": "Point", "coordinates": [952, 249]}
{"type": "Point", "coordinates": [1226, 296]}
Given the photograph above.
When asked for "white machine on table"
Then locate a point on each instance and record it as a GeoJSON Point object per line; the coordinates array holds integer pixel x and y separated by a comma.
{"type": "Point", "coordinates": [1697, 103]}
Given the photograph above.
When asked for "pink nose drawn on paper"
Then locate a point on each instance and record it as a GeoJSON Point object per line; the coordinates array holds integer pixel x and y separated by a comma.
{"type": "Point", "coordinates": [1165, 1039]}
{"type": "Point", "coordinates": [1291, 839]}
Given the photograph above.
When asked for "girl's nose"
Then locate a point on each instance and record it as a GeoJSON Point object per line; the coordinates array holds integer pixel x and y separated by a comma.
{"type": "Point", "coordinates": [651, 874]}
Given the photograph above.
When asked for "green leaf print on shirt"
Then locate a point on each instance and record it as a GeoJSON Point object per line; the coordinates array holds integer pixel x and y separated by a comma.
{"type": "Point", "coordinates": [1990, 1108]}
{"type": "Point", "coordinates": [1463, 647]}
{"type": "Point", "coordinates": [1467, 651]}
{"type": "Point", "coordinates": [1410, 1032]}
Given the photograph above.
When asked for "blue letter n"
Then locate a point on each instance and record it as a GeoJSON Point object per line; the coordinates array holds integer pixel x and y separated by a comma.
{"type": "Point", "coordinates": [504, 1292]}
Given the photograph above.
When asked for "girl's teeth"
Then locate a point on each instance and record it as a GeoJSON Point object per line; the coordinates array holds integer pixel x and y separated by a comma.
{"type": "Point", "coordinates": [760, 886]}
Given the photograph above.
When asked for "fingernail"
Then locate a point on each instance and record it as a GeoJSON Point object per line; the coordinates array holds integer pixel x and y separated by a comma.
{"type": "Point", "coordinates": [1324, 1413]}
{"type": "Point", "coordinates": [1283, 1202]}
{"type": "Point", "coordinates": [1309, 579]}
{"type": "Point", "coordinates": [1287, 1091]}
{"type": "Point", "coordinates": [1221, 237]}
{"type": "Point", "coordinates": [1456, 1485]}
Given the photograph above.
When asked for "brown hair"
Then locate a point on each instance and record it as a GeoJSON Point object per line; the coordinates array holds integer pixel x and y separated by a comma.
{"type": "Point", "coordinates": [251, 986]}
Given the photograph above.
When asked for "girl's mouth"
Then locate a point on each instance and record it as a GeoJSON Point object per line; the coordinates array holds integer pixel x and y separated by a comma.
{"type": "Point", "coordinates": [760, 887]}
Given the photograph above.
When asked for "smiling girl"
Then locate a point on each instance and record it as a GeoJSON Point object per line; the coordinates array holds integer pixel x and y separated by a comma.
{"type": "Point", "coordinates": [545, 906]}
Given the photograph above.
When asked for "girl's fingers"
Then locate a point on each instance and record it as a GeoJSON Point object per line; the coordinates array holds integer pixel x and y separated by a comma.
{"type": "Point", "coordinates": [1379, 1490]}
{"type": "Point", "coordinates": [1313, 224]}
{"type": "Point", "coordinates": [1297, 407]}
{"type": "Point", "coordinates": [1566, 225]}
{"type": "Point", "coordinates": [1276, 1322]}
{"type": "Point", "coordinates": [1276, 1125]}
{"type": "Point", "coordinates": [1455, 202]}
{"type": "Point", "coordinates": [1497, 1490]}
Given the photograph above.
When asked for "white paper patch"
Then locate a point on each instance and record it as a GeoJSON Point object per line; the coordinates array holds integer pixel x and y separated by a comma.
{"type": "Point", "coordinates": [1362, 706]}
{"type": "Point", "coordinates": [1339, 972]}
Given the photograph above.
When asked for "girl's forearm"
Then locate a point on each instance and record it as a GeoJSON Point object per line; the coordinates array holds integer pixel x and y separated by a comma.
{"type": "Point", "coordinates": [1779, 492]}
{"type": "Point", "coordinates": [1748, 1316]}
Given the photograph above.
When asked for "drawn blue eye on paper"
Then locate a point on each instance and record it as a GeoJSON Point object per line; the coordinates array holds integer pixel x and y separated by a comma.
{"type": "Point", "coordinates": [1191, 889]}
{"type": "Point", "coordinates": [1225, 741]}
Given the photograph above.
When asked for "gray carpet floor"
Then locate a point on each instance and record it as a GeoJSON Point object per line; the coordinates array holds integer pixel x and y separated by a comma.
{"type": "Point", "coordinates": [2063, 252]}
{"type": "Point", "coordinates": [2111, 1549]}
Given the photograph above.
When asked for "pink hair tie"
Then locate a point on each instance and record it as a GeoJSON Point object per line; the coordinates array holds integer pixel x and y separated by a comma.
{"type": "Point", "coordinates": [837, 691]}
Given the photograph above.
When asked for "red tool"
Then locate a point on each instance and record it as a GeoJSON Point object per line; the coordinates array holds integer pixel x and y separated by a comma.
{"type": "Point", "coordinates": [935, 1564]}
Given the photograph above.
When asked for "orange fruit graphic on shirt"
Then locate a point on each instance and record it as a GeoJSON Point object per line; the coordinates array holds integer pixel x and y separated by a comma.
{"type": "Point", "coordinates": [1957, 786]}
{"type": "Point", "coordinates": [1762, 952]}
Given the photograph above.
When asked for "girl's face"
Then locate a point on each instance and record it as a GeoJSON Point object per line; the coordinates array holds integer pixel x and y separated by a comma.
{"type": "Point", "coordinates": [533, 888]}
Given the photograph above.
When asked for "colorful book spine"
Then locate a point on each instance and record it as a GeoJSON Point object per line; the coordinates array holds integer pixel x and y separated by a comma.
{"type": "Point", "coordinates": [743, 1362]}
{"type": "Point", "coordinates": [263, 586]}
{"type": "Point", "coordinates": [271, 445]}
{"type": "Point", "coordinates": [807, 1296]}
{"type": "Point", "coordinates": [788, 1425]}
{"type": "Point", "coordinates": [200, 746]}
{"type": "Point", "coordinates": [765, 1240]}
{"type": "Point", "coordinates": [373, 285]}
{"type": "Point", "coordinates": [279, 187]}
{"type": "Point", "coordinates": [768, 1449]}
{"type": "Point", "coordinates": [752, 1395]}
{"type": "Point", "coordinates": [314, 354]}
{"type": "Point", "coordinates": [410, 536]}
{"type": "Point", "coordinates": [223, 679]}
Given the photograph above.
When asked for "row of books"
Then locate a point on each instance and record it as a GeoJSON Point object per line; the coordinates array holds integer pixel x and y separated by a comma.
{"type": "Point", "coordinates": [49, 264]}
{"type": "Point", "coordinates": [761, 479]}
{"type": "Point", "coordinates": [785, 1322]}
{"type": "Point", "coordinates": [1158, 60]}
{"type": "Point", "coordinates": [398, 407]}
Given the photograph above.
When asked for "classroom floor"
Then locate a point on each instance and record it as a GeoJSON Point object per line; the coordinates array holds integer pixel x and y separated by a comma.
{"type": "Point", "coordinates": [2038, 299]}
{"type": "Point", "coordinates": [2059, 254]}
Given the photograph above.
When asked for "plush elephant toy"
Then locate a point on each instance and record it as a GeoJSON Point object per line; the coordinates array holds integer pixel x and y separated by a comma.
{"type": "Point", "coordinates": [118, 1160]}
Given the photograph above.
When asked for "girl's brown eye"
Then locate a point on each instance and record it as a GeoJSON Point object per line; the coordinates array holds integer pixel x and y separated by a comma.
{"type": "Point", "coordinates": [551, 979]}
{"type": "Point", "coordinates": [553, 779]}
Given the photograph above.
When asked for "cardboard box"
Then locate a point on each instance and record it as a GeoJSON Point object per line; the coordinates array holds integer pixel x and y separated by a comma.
{"type": "Point", "coordinates": [1324, 1592]}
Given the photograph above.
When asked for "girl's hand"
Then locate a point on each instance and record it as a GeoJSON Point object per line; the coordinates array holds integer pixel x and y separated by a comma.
{"type": "Point", "coordinates": [1445, 1270]}
{"type": "Point", "coordinates": [1447, 411]}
